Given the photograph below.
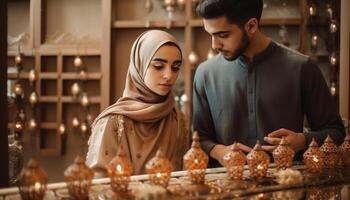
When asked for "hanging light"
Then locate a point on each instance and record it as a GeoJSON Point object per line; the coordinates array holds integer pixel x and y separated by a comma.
{"type": "Point", "coordinates": [170, 8]}
{"type": "Point", "coordinates": [19, 125]}
{"type": "Point", "coordinates": [333, 27]}
{"type": "Point", "coordinates": [75, 122]}
{"type": "Point", "coordinates": [333, 89]}
{"type": "Point", "coordinates": [78, 62]}
{"type": "Point", "coordinates": [83, 127]}
{"type": "Point", "coordinates": [33, 98]}
{"type": "Point", "coordinates": [181, 4]}
{"type": "Point", "coordinates": [84, 100]}
{"type": "Point", "coordinates": [193, 58]}
{"type": "Point", "coordinates": [32, 75]}
{"type": "Point", "coordinates": [149, 6]}
{"type": "Point", "coordinates": [314, 41]}
{"type": "Point", "coordinates": [75, 89]}
{"type": "Point", "coordinates": [83, 75]}
{"type": "Point", "coordinates": [329, 11]}
{"type": "Point", "coordinates": [62, 129]}
{"type": "Point", "coordinates": [333, 59]}
{"type": "Point", "coordinates": [89, 118]}
{"type": "Point", "coordinates": [211, 53]}
{"type": "Point", "coordinates": [32, 124]}
{"type": "Point", "coordinates": [313, 10]}
{"type": "Point", "coordinates": [18, 59]}
{"type": "Point", "coordinates": [18, 89]}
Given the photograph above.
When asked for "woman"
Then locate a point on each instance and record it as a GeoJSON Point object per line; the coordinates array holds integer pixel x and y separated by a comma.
{"type": "Point", "coordinates": [147, 107]}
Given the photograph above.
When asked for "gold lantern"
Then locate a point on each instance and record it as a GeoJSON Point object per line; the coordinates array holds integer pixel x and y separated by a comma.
{"type": "Point", "coordinates": [283, 155]}
{"type": "Point", "coordinates": [258, 162]}
{"type": "Point", "coordinates": [196, 161]}
{"type": "Point", "coordinates": [234, 162]}
{"type": "Point", "coordinates": [78, 177]}
{"type": "Point", "coordinates": [159, 169]}
{"type": "Point", "coordinates": [119, 170]}
{"type": "Point", "coordinates": [32, 182]}
{"type": "Point", "coordinates": [345, 152]}
{"type": "Point", "coordinates": [314, 158]}
{"type": "Point", "coordinates": [331, 153]}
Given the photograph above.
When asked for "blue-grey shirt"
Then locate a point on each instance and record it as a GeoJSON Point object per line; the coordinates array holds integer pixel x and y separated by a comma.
{"type": "Point", "coordinates": [243, 102]}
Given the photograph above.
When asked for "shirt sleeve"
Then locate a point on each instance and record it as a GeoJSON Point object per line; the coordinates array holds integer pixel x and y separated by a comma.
{"type": "Point", "coordinates": [320, 107]}
{"type": "Point", "coordinates": [102, 144]}
{"type": "Point", "coordinates": [202, 118]}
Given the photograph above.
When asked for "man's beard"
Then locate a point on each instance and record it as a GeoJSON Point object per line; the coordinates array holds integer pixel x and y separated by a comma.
{"type": "Point", "coordinates": [241, 49]}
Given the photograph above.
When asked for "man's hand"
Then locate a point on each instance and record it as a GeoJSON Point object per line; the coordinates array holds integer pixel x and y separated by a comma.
{"type": "Point", "coordinates": [297, 141]}
{"type": "Point", "coordinates": [220, 150]}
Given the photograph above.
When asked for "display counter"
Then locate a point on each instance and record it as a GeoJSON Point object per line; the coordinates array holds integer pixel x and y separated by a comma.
{"type": "Point", "coordinates": [333, 184]}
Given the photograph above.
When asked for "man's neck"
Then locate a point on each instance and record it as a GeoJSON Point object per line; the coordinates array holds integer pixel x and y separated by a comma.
{"type": "Point", "coordinates": [258, 44]}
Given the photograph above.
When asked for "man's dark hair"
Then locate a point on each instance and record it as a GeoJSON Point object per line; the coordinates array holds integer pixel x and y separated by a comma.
{"type": "Point", "coordinates": [236, 11]}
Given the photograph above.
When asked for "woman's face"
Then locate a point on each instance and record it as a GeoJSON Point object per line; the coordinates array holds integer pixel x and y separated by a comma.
{"type": "Point", "coordinates": [164, 69]}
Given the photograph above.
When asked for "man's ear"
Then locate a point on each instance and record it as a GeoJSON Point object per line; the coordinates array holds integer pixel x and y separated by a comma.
{"type": "Point", "coordinates": [251, 26]}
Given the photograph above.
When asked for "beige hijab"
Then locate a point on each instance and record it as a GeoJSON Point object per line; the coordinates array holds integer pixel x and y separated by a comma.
{"type": "Point", "coordinates": [154, 122]}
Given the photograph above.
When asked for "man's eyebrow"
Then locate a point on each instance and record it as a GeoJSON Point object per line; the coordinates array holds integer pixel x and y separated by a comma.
{"type": "Point", "coordinates": [220, 32]}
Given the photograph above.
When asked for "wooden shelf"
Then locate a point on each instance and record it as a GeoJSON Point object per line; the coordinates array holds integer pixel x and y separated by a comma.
{"type": "Point", "coordinates": [75, 76]}
{"type": "Point", "coordinates": [70, 99]}
{"type": "Point", "coordinates": [264, 22]}
{"type": "Point", "coordinates": [67, 50]}
{"type": "Point", "coordinates": [48, 75]}
{"type": "Point", "coordinates": [142, 24]}
{"type": "Point", "coordinates": [22, 75]}
{"type": "Point", "coordinates": [48, 99]}
{"type": "Point", "coordinates": [48, 125]}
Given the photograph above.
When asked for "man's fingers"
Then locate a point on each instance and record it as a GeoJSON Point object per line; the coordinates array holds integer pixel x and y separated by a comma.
{"type": "Point", "coordinates": [268, 148]}
{"type": "Point", "coordinates": [272, 140]}
{"type": "Point", "coordinates": [244, 147]}
{"type": "Point", "coordinates": [279, 133]}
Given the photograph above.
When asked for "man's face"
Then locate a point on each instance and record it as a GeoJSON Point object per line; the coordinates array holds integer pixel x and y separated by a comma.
{"type": "Point", "coordinates": [227, 38]}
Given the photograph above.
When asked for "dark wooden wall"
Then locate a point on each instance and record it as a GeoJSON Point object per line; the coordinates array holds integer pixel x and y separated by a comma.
{"type": "Point", "coordinates": [4, 168]}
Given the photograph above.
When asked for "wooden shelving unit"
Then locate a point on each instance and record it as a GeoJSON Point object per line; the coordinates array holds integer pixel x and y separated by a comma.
{"type": "Point", "coordinates": [54, 64]}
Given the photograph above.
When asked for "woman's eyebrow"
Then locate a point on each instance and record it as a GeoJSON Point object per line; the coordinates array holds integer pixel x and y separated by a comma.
{"type": "Point", "coordinates": [160, 59]}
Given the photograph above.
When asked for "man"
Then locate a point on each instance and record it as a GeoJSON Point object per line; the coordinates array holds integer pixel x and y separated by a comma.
{"type": "Point", "coordinates": [256, 89]}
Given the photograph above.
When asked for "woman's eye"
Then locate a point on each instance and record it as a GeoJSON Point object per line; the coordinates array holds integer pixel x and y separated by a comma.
{"type": "Point", "coordinates": [158, 66]}
{"type": "Point", "coordinates": [175, 68]}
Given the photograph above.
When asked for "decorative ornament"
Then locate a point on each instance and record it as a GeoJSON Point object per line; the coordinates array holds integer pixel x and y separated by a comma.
{"type": "Point", "coordinates": [234, 162]}
{"type": "Point", "coordinates": [33, 98]}
{"type": "Point", "coordinates": [333, 89]}
{"type": "Point", "coordinates": [312, 10]}
{"type": "Point", "coordinates": [78, 62]}
{"type": "Point", "coordinates": [62, 129]}
{"type": "Point", "coordinates": [83, 127]}
{"type": "Point", "coordinates": [329, 11]}
{"type": "Point", "coordinates": [193, 58]}
{"type": "Point", "coordinates": [195, 161]}
{"type": "Point", "coordinates": [78, 179]}
{"type": "Point", "coordinates": [19, 125]}
{"type": "Point", "coordinates": [89, 119]}
{"type": "Point", "coordinates": [283, 155]}
{"type": "Point", "coordinates": [84, 100]}
{"type": "Point", "coordinates": [119, 170]}
{"type": "Point", "coordinates": [75, 89]}
{"type": "Point", "coordinates": [18, 59]}
{"type": "Point", "coordinates": [333, 26]}
{"type": "Point", "coordinates": [32, 182]}
{"type": "Point", "coordinates": [345, 151]}
{"type": "Point", "coordinates": [149, 6]}
{"type": "Point", "coordinates": [333, 59]}
{"type": "Point", "coordinates": [258, 162]}
{"type": "Point", "coordinates": [18, 89]}
{"type": "Point", "coordinates": [170, 8]}
{"type": "Point", "coordinates": [331, 153]}
{"type": "Point", "coordinates": [83, 75]}
{"type": "Point", "coordinates": [32, 76]}
{"type": "Point", "coordinates": [75, 122]}
{"type": "Point", "coordinates": [314, 158]}
{"type": "Point", "coordinates": [159, 169]}
{"type": "Point", "coordinates": [32, 124]}
{"type": "Point", "coordinates": [181, 4]}
{"type": "Point", "coordinates": [314, 41]}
